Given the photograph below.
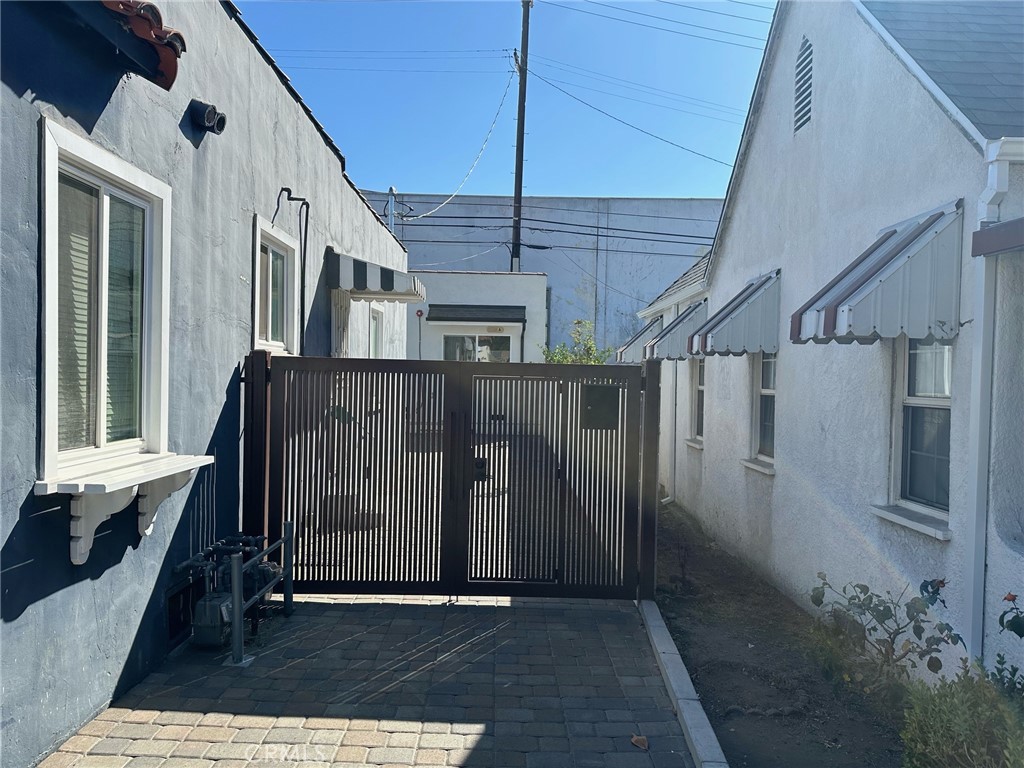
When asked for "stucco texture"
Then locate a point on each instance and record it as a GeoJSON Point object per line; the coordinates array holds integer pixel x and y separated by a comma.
{"type": "Point", "coordinates": [878, 149]}
{"type": "Point", "coordinates": [74, 636]}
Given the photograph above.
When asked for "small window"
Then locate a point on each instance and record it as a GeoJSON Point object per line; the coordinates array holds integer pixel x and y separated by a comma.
{"type": "Point", "coordinates": [275, 302]}
{"type": "Point", "coordinates": [924, 475]}
{"type": "Point", "coordinates": [764, 405]}
{"type": "Point", "coordinates": [484, 349]}
{"type": "Point", "coordinates": [697, 378]}
{"type": "Point", "coordinates": [376, 333]}
{"type": "Point", "coordinates": [802, 97]}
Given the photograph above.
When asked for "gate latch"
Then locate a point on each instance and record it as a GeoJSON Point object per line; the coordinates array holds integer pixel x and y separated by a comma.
{"type": "Point", "coordinates": [480, 469]}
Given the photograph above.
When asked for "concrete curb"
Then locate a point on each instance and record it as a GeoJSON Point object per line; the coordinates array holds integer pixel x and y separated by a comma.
{"type": "Point", "coordinates": [700, 737]}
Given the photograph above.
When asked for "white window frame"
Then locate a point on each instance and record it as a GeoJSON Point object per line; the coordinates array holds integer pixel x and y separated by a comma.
{"type": "Point", "coordinates": [476, 342]}
{"type": "Point", "coordinates": [66, 152]}
{"type": "Point", "coordinates": [375, 322]}
{"type": "Point", "coordinates": [266, 232]}
{"type": "Point", "coordinates": [696, 388]}
{"type": "Point", "coordinates": [758, 391]}
{"type": "Point", "coordinates": [902, 377]}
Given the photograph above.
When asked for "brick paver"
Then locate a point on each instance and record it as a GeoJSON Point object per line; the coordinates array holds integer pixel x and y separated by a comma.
{"type": "Point", "coordinates": [502, 683]}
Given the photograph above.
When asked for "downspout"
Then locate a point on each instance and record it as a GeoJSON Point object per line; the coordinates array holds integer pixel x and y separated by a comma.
{"type": "Point", "coordinates": [522, 342]}
{"type": "Point", "coordinates": [998, 155]}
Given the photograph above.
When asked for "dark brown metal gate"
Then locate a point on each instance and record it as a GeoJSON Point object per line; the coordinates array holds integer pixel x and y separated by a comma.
{"type": "Point", "coordinates": [432, 477]}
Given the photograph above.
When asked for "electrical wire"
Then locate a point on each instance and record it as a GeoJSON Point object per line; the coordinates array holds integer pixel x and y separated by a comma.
{"type": "Point", "coordinates": [644, 101]}
{"type": "Point", "coordinates": [345, 57]}
{"type": "Point", "coordinates": [753, 5]}
{"type": "Point", "coordinates": [630, 125]}
{"type": "Point", "coordinates": [479, 154]}
{"type": "Point", "coordinates": [406, 71]}
{"type": "Point", "coordinates": [453, 261]}
{"type": "Point", "coordinates": [392, 51]}
{"type": "Point", "coordinates": [601, 228]}
{"type": "Point", "coordinates": [717, 13]}
{"type": "Point", "coordinates": [673, 21]}
{"type": "Point", "coordinates": [700, 239]}
{"type": "Point", "coordinates": [593, 74]}
{"type": "Point", "coordinates": [609, 286]}
{"type": "Point", "coordinates": [632, 251]}
{"type": "Point", "coordinates": [651, 26]}
{"type": "Point", "coordinates": [549, 208]}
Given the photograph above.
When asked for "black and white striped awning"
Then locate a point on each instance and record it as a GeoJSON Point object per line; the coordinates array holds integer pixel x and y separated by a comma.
{"type": "Point", "coordinates": [371, 282]}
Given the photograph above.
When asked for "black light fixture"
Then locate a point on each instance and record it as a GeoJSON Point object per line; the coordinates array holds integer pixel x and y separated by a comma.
{"type": "Point", "coordinates": [205, 117]}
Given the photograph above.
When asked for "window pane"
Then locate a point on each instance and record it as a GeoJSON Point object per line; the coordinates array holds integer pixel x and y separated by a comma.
{"type": "Point", "coordinates": [926, 456]}
{"type": "Point", "coordinates": [698, 429]}
{"type": "Point", "coordinates": [375, 333]}
{"type": "Point", "coordinates": [264, 291]}
{"type": "Point", "coordinates": [766, 438]}
{"type": "Point", "coordinates": [700, 372]}
{"type": "Point", "coordinates": [495, 349]}
{"type": "Point", "coordinates": [125, 251]}
{"type": "Point", "coordinates": [929, 369]}
{"type": "Point", "coordinates": [461, 348]}
{"type": "Point", "coordinates": [78, 205]}
{"type": "Point", "coordinates": [768, 370]}
{"type": "Point", "coordinates": [277, 295]}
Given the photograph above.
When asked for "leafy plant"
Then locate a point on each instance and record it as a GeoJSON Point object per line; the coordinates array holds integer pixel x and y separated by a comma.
{"type": "Point", "coordinates": [881, 637]}
{"type": "Point", "coordinates": [961, 723]}
{"type": "Point", "coordinates": [1009, 679]}
{"type": "Point", "coordinates": [583, 350]}
{"type": "Point", "coordinates": [1012, 618]}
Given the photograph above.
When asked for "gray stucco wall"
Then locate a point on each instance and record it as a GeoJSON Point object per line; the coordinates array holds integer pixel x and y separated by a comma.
{"type": "Point", "coordinates": [72, 637]}
{"type": "Point", "coordinates": [878, 149]}
{"type": "Point", "coordinates": [596, 270]}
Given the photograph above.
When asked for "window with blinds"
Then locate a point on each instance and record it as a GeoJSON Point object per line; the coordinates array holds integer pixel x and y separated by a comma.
{"type": "Point", "coordinates": [101, 253]}
{"type": "Point", "coordinates": [802, 97]}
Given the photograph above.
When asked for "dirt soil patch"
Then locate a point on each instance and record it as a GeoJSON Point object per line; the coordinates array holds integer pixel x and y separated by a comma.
{"type": "Point", "coordinates": [749, 651]}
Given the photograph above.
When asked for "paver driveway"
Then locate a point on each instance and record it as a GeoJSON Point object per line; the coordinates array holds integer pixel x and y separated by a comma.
{"type": "Point", "coordinates": [415, 681]}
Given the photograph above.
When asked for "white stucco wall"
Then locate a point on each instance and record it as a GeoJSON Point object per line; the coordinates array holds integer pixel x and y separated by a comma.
{"type": "Point", "coordinates": [596, 270]}
{"type": "Point", "coordinates": [878, 149]}
{"type": "Point", "coordinates": [426, 339]}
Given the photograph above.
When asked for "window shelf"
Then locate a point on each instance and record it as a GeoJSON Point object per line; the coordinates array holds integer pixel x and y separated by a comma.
{"type": "Point", "coordinates": [103, 487]}
{"type": "Point", "coordinates": [759, 465]}
{"type": "Point", "coordinates": [921, 522]}
{"type": "Point", "coordinates": [696, 443]}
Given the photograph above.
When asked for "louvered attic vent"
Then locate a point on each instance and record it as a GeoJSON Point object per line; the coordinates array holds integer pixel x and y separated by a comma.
{"type": "Point", "coordinates": [802, 99]}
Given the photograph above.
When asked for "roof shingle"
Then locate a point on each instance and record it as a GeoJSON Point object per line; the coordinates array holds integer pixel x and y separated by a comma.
{"type": "Point", "coordinates": [972, 50]}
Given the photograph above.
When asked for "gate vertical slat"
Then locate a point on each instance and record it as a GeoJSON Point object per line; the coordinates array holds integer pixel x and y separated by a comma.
{"type": "Point", "coordinates": [256, 448]}
{"type": "Point", "coordinates": [649, 478]}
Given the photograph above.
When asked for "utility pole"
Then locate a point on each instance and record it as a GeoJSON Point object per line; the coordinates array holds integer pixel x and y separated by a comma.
{"type": "Point", "coordinates": [517, 202]}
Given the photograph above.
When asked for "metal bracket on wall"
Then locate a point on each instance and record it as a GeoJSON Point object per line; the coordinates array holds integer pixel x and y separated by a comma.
{"type": "Point", "coordinates": [153, 494]}
{"type": "Point", "coordinates": [88, 512]}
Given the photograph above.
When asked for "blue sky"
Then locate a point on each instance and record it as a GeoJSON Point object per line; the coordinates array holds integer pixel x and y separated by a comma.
{"type": "Point", "coordinates": [409, 88]}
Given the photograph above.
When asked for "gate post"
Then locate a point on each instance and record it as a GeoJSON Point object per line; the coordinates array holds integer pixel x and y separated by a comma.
{"type": "Point", "coordinates": [649, 479]}
{"type": "Point", "coordinates": [256, 425]}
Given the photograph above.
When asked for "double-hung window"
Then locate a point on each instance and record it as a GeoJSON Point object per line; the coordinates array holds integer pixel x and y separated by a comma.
{"type": "Point", "coordinates": [276, 292]}
{"type": "Point", "coordinates": [764, 406]}
{"type": "Point", "coordinates": [697, 418]}
{"type": "Point", "coordinates": [376, 333]}
{"type": "Point", "coordinates": [924, 455]}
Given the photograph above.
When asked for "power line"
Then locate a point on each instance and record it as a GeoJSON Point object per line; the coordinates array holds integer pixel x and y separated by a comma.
{"type": "Point", "coordinates": [454, 261]}
{"type": "Point", "coordinates": [550, 208]}
{"type": "Point", "coordinates": [594, 75]}
{"type": "Point", "coordinates": [753, 5]}
{"type": "Point", "coordinates": [407, 71]}
{"type": "Point", "coordinates": [717, 13]}
{"type": "Point", "coordinates": [346, 57]}
{"type": "Point", "coordinates": [644, 101]}
{"type": "Point", "coordinates": [478, 156]}
{"type": "Point", "coordinates": [630, 125]}
{"type": "Point", "coordinates": [595, 277]}
{"type": "Point", "coordinates": [633, 251]}
{"type": "Point", "coordinates": [548, 230]}
{"type": "Point", "coordinates": [394, 51]}
{"type": "Point", "coordinates": [674, 21]}
{"type": "Point", "coordinates": [607, 229]}
{"type": "Point", "coordinates": [651, 26]}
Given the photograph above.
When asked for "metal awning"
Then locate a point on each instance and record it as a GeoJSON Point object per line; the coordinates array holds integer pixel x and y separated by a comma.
{"type": "Point", "coordinates": [633, 350]}
{"type": "Point", "coordinates": [1004, 237]}
{"type": "Point", "coordinates": [670, 344]}
{"type": "Point", "coordinates": [906, 282]}
{"type": "Point", "coordinates": [476, 313]}
{"type": "Point", "coordinates": [748, 323]}
{"type": "Point", "coordinates": [372, 282]}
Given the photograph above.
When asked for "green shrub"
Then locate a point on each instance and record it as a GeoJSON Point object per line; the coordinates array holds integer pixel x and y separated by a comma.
{"type": "Point", "coordinates": [875, 639]}
{"type": "Point", "coordinates": [961, 723]}
{"type": "Point", "coordinates": [582, 351]}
